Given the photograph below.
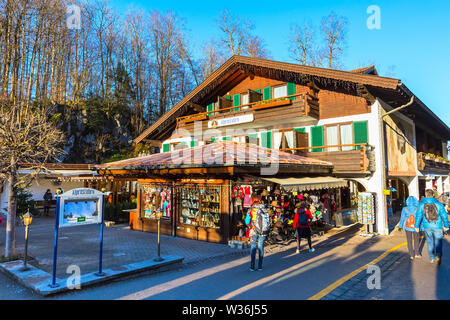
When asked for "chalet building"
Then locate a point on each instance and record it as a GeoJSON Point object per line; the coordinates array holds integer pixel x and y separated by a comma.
{"type": "Point", "coordinates": [346, 118]}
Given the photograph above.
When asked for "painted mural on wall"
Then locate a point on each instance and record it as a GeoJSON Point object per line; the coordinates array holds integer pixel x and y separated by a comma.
{"type": "Point", "coordinates": [400, 147]}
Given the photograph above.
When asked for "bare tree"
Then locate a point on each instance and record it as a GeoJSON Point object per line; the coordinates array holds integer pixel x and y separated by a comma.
{"type": "Point", "coordinates": [334, 29]}
{"type": "Point", "coordinates": [256, 48]}
{"type": "Point", "coordinates": [26, 136]}
{"type": "Point", "coordinates": [303, 45]}
{"type": "Point", "coordinates": [235, 32]}
{"type": "Point", "coordinates": [212, 58]}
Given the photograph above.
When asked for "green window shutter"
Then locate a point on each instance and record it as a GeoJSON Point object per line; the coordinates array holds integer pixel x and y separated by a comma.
{"type": "Point", "coordinates": [258, 90]}
{"type": "Point", "coordinates": [236, 101]}
{"type": "Point", "coordinates": [317, 138]}
{"type": "Point", "coordinates": [253, 138]}
{"type": "Point", "coordinates": [213, 139]}
{"type": "Point", "coordinates": [166, 147]}
{"type": "Point", "coordinates": [360, 132]}
{"type": "Point", "coordinates": [300, 129]}
{"type": "Point", "coordinates": [291, 90]}
{"type": "Point", "coordinates": [193, 143]}
{"type": "Point", "coordinates": [267, 93]}
{"type": "Point", "coordinates": [210, 107]}
{"type": "Point", "coordinates": [228, 98]}
{"type": "Point", "coordinates": [226, 138]}
{"type": "Point", "coordinates": [266, 139]}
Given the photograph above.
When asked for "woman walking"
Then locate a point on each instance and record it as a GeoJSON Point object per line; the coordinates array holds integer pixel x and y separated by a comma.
{"type": "Point", "coordinates": [301, 223]}
{"type": "Point", "coordinates": [407, 221]}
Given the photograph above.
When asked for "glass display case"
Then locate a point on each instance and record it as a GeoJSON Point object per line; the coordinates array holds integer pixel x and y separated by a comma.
{"type": "Point", "coordinates": [157, 198]}
{"type": "Point", "coordinates": [200, 206]}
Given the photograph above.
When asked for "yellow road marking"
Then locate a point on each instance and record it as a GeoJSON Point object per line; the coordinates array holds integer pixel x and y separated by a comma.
{"type": "Point", "coordinates": [339, 282]}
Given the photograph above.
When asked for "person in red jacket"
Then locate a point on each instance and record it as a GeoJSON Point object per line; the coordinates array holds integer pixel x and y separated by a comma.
{"type": "Point", "coordinates": [301, 223]}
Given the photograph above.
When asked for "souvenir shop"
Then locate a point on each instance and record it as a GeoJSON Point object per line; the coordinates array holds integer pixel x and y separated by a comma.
{"type": "Point", "coordinates": [333, 202]}
{"type": "Point", "coordinates": [189, 208]}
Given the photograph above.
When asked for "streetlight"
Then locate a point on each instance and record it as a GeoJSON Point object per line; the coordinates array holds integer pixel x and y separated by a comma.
{"type": "Point", "coordinates": [27, 219]}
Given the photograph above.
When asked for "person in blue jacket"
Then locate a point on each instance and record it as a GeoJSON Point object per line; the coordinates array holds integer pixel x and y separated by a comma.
{"type": "Point", "coordinates": [407, 221]}
{"type": "Point", "coordinates": [434, 228]}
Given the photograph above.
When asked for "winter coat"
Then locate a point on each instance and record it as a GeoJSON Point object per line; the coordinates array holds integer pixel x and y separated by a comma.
{"type": "Point", "coordinates": [296, 224]}
{"type": "Point", "coordinates": [412, 205]}
{"type": "Point", "coordinates": [442, 220]}
{"type": "Point", "coordinates": [47, 198]}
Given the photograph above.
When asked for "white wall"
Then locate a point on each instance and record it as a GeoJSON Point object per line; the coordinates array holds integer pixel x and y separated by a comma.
{"type": "Point", "coordinates": [38, 189]}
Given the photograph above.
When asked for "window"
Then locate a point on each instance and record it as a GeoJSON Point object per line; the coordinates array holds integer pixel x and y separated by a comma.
{"type": "Point", "coordinates": [280, 91]}
{"type": "Point", "coordinates": [244, 100]}
{"type": "Point", "coordinates": [339, 134]}
{"type": "Point", "coordinates": [284, 139]}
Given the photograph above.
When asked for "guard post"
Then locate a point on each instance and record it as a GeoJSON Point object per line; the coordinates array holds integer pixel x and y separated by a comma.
{"type": "Point", "coordinates": [158, 217]}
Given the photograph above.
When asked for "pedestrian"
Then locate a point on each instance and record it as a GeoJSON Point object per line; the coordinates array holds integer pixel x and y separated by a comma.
{"type": "Point", "coordinates": [47, 201]}
{"type": "Point", "coordinates": [258, 221]}
{"type": "Point", "coordinates": [435, 222]}
{"type": "Point", "coordinates": [302, 219]}
{"type": "Point", "coordinates": [407, 221]}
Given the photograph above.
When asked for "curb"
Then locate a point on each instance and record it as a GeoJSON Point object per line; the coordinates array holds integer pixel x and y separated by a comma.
{"type": "Point", "coordinates": [39, 280]}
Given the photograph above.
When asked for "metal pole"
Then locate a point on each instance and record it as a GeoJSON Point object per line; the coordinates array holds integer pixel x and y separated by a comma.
{"type": "Point", "coordinates": [25, 267]}
{"type": "Point", "coordinates": [159, 242]}
{"type": "Point", "coordinates": [55, 245]}
{"type": "Point", "coordinates": [100, 272]}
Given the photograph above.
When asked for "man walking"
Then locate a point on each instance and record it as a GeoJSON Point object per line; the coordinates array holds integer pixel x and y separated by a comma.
{"type": "Point", "coordinates": [435, 222]}
{"type": "Point", "coordinates": [47, 201]}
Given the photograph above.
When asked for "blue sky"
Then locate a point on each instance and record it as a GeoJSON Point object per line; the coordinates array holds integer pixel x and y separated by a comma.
{"type": "Point", "coordinates": [413, 42]}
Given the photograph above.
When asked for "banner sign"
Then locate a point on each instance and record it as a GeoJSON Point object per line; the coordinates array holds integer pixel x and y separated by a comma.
{"type": "Point", "coordinates": [80, 206]}
{"type": "Point", "coordinates": [230, 121]}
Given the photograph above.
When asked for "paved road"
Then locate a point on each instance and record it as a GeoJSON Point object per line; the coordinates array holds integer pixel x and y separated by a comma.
{"type": "Point", "coordinates": [286, 276]}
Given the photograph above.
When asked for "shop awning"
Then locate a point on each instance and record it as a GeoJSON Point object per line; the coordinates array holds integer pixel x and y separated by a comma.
{"type": "Point", "coordinates": [305, 184]}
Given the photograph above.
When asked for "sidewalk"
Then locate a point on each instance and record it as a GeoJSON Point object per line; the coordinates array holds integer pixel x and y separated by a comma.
{"type": "Point", "coordinates": [80, 246]}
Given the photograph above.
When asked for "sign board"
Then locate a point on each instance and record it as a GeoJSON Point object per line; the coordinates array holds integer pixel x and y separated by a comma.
{"type": "Point", "coordinates": [387, 192]}
{"type": "Point", "coordinates": [80, 207]}
{"type": "Point", "coordinates": [230, 121]}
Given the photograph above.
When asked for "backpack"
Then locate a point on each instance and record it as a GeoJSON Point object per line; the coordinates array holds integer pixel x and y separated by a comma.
{"type": "Point", "coordinates": [261, 223]}
{"type": "Point", "coordinates": [302, 217]}
{"type": "Point", "coordinates": [431, 212]}
{"type": "Point", "coordinates": [411, 220]}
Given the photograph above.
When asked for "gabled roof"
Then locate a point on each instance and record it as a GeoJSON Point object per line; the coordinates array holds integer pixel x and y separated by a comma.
{"type": "Point", "coordinates": [366, 70]}
{"type": "Point", "coordinates": [238, 68]}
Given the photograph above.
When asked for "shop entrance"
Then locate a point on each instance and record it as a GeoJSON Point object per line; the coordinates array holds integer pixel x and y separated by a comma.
{"type": "Point", "coordinates": [399, 194]}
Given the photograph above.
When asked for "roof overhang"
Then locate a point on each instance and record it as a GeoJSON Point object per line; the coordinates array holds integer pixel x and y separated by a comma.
{"type": "Point", "coordinates": [237, 68]}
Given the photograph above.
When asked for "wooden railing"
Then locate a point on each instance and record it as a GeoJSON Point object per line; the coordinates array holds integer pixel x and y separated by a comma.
{"type": "Point", "coordinates": [251, 106]}
{"type": "Point", "coordinates": [359, 159]}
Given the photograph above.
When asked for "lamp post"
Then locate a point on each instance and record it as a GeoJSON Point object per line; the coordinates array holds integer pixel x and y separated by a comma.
{"type": "Point", "coordinates": [59, 192]}
{"type": "Point", "coordinates": [27, 219]}
{"type": "Point", "coordinates": [158, 217]}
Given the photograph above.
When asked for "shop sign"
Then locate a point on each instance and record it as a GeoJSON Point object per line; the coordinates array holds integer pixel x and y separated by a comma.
{"type": "Point", "coordinates": [230, 121]}
{"type": "Point", "coordinates": [387, 192]}
{"type": "Point", "coordinates": [80, 206]}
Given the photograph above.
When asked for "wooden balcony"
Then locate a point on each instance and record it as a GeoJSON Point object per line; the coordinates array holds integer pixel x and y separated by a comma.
{"type": "Point", "coordinates": [289, 108]}
{"type": "Point", "coordinates": [427, 162]}
{"type": "Point", "coordinates": [359, 160]}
